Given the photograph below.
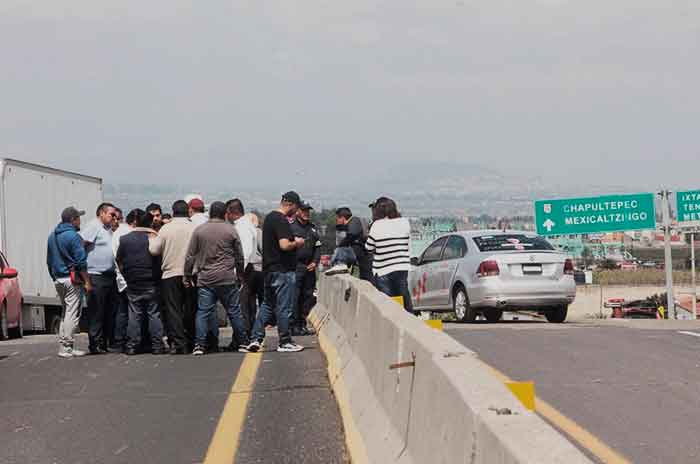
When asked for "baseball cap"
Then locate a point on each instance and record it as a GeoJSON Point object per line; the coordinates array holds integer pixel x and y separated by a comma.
{"type": "Point", "coordinates": [305, 206]}
{"type": "Point", "coordinates": [71, 213]}
{"type": "Point", "coordinates": [292, 197]}
{"type": "Point", "coordinates": [196, 203]}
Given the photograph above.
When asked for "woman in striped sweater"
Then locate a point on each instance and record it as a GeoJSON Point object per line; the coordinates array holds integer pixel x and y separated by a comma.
{"type": "Point", "coordinates": [389, 242]}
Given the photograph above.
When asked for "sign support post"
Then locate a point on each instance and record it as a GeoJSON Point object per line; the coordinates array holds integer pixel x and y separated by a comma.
{"type": "Point", "coordinates": [668, 257]}
{"type": "Point", "coordinates": [692, 268]}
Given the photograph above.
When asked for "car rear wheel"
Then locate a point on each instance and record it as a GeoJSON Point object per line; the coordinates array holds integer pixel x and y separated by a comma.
{"type": "Point", "coordinates": [558, 315]}
{"type": "Point", "coordinates": [463, 310]}
{"type": "Point", "coordinates": [493, 315]}
{"type": "Point", "coordinates": [4, 335]}
{"type": "Point", "coordinates": [17, 332]}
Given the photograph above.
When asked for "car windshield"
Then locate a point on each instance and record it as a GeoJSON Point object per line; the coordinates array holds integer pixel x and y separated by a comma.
{"type": "Point", "coordinates": [512, 242]}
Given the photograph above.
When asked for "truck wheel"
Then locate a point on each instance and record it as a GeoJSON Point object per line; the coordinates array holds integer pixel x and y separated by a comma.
{"type": "Point", "coordinates": [4, 335]}
{"type": "Point", "coordinates": [463, 310]}
{"type": "Point", "coordinates": [558, 315]}
{"type": "Point", "coordinates": [17, 332]}
{"type": "Point", "coordinates": [493, 315]}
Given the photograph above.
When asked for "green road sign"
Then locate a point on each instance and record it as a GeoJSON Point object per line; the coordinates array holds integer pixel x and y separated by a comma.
{"type": "Point", "coordinates": [688, 204]}
{"type": "Point", "coordinates": [609, 213]}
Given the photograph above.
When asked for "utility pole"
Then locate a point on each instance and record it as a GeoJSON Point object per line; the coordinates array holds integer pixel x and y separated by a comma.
{"type": "Point", "coordinates": [668, 258]}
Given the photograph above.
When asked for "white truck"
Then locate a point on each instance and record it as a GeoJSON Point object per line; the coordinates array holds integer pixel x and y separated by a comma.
{"type": "Point", "coordinates": [32, 198]}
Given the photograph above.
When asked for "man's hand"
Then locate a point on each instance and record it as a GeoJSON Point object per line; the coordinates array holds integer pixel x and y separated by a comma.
{"type": "Point", "coordinates": [88, 286]}
{"type": "Point", "coordinates": [311, 267]}
{"type": "Point", "coordinates": [187, 282]}
{"type": "Point", "coordinates": [299, 242]}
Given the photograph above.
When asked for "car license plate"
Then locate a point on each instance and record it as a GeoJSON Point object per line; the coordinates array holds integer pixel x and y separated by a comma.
{"type": "Point", "coordinates": [532, 269]}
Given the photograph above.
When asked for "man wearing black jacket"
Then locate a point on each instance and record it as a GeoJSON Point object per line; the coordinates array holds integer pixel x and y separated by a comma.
{"type": "Point", "coordinates": [351, 234]}
{"type": "Point", "coordinates": [142, 273]}
{"type": "Point", "coordinates": [308, 258]}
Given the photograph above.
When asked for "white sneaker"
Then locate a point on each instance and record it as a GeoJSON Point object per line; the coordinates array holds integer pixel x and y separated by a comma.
{"type": "Point", "coordinates": [338, 269]}
{"type": "Point", "coordinates": [64, 352]}
{"type": "Point", "coordinates": [243, 349]}
{"type": "Point", "coordinates": [198, 351]}
{"type": "Point", "coordinates": [289, 347]}
{"type": "Point", "coordinates": [78, 353]}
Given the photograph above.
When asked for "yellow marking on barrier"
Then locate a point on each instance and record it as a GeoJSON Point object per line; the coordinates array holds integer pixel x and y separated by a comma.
{"type": "Point", "coordinates": [574, 431]}
{"type": "Point", "coordinates": [224, 444]}
{"type": "Point", "coordinates": [435, 324]}
{"type": "Point", "coordinates": [525, 392]}
{"type": "Point", "coordinates": [398, 299]}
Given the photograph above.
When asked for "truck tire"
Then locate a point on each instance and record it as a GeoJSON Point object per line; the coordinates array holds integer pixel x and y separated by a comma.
{"type": "Point", "coordinates": [558, 315]}
{"type": "Point", "coordinates": [460, 304]}
{"type": "Point", "coordinates": [4, 335]}
{"type": "Point", "coordinates": [493, 315]}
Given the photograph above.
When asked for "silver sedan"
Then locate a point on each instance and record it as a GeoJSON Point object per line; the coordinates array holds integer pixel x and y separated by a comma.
{"type": "Point", "coordinates": [487, 272]}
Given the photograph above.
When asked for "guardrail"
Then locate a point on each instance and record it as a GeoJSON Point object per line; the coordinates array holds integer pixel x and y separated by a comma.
{"type": "Point", "coordinates": [410, 394]}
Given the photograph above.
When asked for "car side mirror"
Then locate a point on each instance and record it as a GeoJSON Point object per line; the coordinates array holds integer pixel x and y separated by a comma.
{"type": "Point", "coordinates": [8, 273]}
{"type": "Point", "coordinates": [415, 261]}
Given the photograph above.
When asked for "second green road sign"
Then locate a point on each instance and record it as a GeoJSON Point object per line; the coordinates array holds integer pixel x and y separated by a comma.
{"type": "Point", "coordinates": [609, 213]}
{"type": "Point", "coordinates": [688, 204]}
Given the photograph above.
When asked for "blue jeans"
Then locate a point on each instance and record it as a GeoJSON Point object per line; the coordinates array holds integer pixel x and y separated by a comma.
{"type": "Point", "coordinates": [206, 321]}
{"type": "Point", "coordinates": [343, 255]}
{"type": "Point", "coordinates": [144, 304]}
{"type": "Point", "coordinates": [280, 290]}
{"type": "Point", "coordinates": [395, 284]}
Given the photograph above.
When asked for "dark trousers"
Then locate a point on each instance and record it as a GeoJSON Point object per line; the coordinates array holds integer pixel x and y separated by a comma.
{"type": "Point", "coordinates": [101, 301]}
{"type": "Point", "coordinates": [278, 304]}
{"type": "Point", "coordinates": [363, 262]}
{"type": "Point", "coordinates": [305, 299]}
{"type": "Point", "coordinates": [252, 293]}
{"type": "Point", "coordinates": [395, 284]}
{"type": "Point", "coordinates": [121, 319]}
{"type": "Point", "coordinates": [178, 310]}
{"type": "Point", "coordinates": [143, 306]}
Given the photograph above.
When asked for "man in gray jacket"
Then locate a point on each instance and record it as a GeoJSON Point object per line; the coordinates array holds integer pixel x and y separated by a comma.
{"type": "Point", "coordinates": [215, 262]}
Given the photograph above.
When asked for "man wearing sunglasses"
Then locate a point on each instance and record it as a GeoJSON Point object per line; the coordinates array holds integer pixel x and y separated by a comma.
{"type": "Point", "coordinates": [97, 237]}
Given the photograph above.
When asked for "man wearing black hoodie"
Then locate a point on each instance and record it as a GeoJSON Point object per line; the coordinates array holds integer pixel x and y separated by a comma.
{"type": "Point", "coordinates": [66, 260]}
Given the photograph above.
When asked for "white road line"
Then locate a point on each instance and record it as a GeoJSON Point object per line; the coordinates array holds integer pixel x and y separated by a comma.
{"type": "Point", "coordinates": [694, 334]}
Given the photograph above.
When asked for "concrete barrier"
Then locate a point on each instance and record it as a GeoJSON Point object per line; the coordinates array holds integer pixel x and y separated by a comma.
{"type": "Point", "coordinates": [410, 394]}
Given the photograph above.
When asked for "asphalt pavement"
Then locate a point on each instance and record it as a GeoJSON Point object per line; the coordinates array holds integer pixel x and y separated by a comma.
{"type": "Point", "coordinates": [115, 409]}
{"type": "Point", "coordinates": [635, 385]}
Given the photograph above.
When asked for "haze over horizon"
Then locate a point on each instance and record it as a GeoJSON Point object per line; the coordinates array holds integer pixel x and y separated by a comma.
{"type": "Point", "coordinates": [183, 92]}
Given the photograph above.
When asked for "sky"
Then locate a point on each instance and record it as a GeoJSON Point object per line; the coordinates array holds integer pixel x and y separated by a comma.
{"type": "Point", "coordinates": [271, 92]}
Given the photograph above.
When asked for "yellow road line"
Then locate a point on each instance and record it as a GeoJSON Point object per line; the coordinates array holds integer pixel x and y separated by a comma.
{"type": "Point", "coordinates": [224, 444]}
{"type": "Point", "coordinates": [577, 433]}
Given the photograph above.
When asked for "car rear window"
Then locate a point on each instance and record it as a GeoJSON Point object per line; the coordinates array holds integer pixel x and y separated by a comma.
{"type": "Point", "coordinates": [512, 242]}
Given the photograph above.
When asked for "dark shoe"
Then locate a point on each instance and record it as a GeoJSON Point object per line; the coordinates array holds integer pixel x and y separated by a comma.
{"type": "Point", "coordinates": [296, 331]}
{"type": "Point", "coordinates": [116, 349]}
{"type": "Point", "coordinates": [309, 331]}
{"type": "Point", "coordinates": [159, 350]}
{"type": "Point", "coordinates": [98, 350]}
{"type": "Point", "coordinates": [177, 351]}
{"type": "Point", "coordinates": [131, 352]}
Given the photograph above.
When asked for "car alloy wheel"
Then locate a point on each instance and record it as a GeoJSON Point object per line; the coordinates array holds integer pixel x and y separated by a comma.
{"type": "Point", "coordinates": [462, 308]}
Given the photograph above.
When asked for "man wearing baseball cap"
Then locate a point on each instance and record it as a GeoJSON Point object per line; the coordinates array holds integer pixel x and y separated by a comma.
{"type": "Point", "coordinates": [279, 266]}
{"type": "Point", "coordinates": [66, 260]}
{"type": "Point", "coordinates": [308, 258]}
{"type": "Point", "coordinates": [197, 215]}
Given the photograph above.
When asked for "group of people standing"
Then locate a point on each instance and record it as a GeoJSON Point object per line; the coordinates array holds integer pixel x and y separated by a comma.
{"type": "Point", "coordinates": [156, 275]}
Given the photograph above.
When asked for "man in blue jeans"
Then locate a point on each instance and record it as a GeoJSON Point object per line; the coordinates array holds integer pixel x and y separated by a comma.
{"type": "Point", "coordinates": [142, 274]}
{"type": "Point", "coordinates": [279, 267]}
{"type": "Point", "coordinates": [215, 261]}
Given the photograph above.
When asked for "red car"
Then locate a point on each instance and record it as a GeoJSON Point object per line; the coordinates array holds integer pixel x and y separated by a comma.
{"type": "Point", "coordinates": [10, 301]}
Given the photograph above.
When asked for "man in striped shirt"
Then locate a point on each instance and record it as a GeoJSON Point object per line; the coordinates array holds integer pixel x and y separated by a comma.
{"type": "Point", "coordinates": [389, 241]}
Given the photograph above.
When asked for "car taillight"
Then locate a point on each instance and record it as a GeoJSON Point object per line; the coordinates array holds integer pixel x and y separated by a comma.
{"type": "Point", "coordinates": [488, 269]}
{"type": "Point", "coordinates": [569, 267]}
